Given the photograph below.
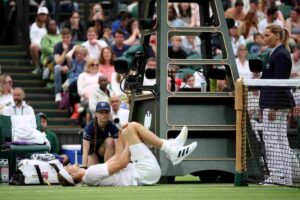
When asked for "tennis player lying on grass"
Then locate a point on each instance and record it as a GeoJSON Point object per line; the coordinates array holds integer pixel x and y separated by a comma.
{"type": "Point", "coordinates": [131, 146]}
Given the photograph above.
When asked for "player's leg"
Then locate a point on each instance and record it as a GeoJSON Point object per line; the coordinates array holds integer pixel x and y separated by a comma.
{"type": "Point", "coordinates": [137, 133]}
{"type": "Point", "coordinates": [107, 148]}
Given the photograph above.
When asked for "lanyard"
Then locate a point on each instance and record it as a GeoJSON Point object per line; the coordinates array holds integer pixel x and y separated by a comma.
{"type": "Point", "coordinates": [22, 108]}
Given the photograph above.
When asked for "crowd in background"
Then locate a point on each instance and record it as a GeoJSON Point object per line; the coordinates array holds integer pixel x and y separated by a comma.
{"type": "Point", "coordinates": [76, 58]}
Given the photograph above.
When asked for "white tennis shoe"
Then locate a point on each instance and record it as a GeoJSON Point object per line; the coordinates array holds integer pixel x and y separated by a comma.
{"type": "Point", "coordinates": [177, 154]}
{"type": "Point", "coordinates": [180, 140]}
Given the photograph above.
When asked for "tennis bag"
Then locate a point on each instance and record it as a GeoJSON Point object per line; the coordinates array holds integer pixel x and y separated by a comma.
{"type": "Point", "coordinates": [36, 172]}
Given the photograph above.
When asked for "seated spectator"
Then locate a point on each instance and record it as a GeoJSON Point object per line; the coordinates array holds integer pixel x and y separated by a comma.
{"type": "Point", "coordinates": [254, 5]}
{"type": "Point", "coordinates": [121, 22]}
{"type": "Point", "coordinates": [101, 93]}
{"type": "Point", "coordinates": [97, 19]}
{"type": "Point", "coordinates": [242, 63]}
{"type": "Point", "coordinates": [249, 26]}
{"type": "Point", "coordinates": [52, 138]}
{"type": "Point", "coordinates": [133, 31]}
{"type": "Point", "coordinates": [93, 45]}
{"type": "Point", "coordinates": [61, 63]}
{"type": "Point", "coordinates": [107, 36]}
{"type": "Point", "coordinates": [272, 18]}
{"type": "Point", "coordinates": [116, 84]}
{"type": "Point", "coordinates": [188, 81]}
{"type": "Point", "coordinates": [173, 19]}
{"type": "Point", "coordinates": [77, 67]}
{"type": "Point", "coordinates": [76, 26]}
{"type": "Point", "coordinates": [47, 47]}
{"type": "Point", "coordinates": [107, 59]}
{"type": "Point", "coordinates": [295, 74]}
{"type": "Point", "coordinates": [19, 107]}
{"type": "Point", "coordinates": [150, 64]}
{"type": "Point", "coordinates": [87, 83]}
{"type": "Point", "coordinates": [191, 44]}
{"type": "Point", "coordinates": [119, 115]}
{"type": "Point", "coordinates": [119, 47]}
{"type": "Point", "coordinates": [37, 32]}
{"type": "Point", "coordinates": [175, 51]}
{"type": "Point", "coordinates": [258, 46]}
{"type": "Point", "coordinates": [236, 12]}
{"type": "Point", "coordinates": [236, 38]}
{"type": "Point", "coordinates": [6, 97]}
{"type": "Point", "coordinates": [292, 24]}
{"type": "Point", "coordinates": [184, 12]}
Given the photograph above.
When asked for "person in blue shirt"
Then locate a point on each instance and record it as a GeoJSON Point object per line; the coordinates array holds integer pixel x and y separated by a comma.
{"type": "Point", "coordinates": [99, 136]}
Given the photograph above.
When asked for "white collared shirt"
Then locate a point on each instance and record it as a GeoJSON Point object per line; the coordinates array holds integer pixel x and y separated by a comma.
{"type": "Point", "coordinates": [24, 109]}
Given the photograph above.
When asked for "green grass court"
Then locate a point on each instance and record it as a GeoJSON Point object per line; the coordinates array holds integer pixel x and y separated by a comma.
{"type": "Point", "coordinates": [181, 190]}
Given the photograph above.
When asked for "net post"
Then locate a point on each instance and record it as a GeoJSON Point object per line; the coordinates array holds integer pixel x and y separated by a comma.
{"type": "Point", "coordinates": [240, 174]}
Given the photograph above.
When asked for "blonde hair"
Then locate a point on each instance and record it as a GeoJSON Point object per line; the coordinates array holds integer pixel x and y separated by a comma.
{"type": "Point", "coordinates": [284, 34]}
{"type": "Point", "coordinates": [80, 49]}
{"type": "Point", "coordinates": [88, 64]}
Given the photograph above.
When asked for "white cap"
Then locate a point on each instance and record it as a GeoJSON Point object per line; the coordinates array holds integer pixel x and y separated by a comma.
{"type": "Point", "coordinates": [43, 10]}
{"type": "Point", "coordinates": [66, 175]}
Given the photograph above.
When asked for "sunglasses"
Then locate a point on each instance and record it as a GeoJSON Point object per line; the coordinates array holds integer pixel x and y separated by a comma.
{"type": "Point", "coordinates": [94, 65]}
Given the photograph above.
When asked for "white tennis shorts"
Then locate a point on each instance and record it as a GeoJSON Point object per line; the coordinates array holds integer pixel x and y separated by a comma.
{"type": "Point", "coordinates": [145, 163]}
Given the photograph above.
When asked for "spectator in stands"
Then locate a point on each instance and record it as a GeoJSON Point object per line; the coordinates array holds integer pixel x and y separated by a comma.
{"type": "Point", "coordinates": [93, 45]}
{"type": "Point", "coordinates": [77, 67]}
{"type": "Point", "coordinates": [97, 19]}
{"type": "Point", "coordinates": [6, 89]}
{"type": "Point", "coordinates": [175, 51]}
{"type": "Point", "coordinates": [76, 26]}
{"type": "Point", "coordinates": [272, 18]}
{"type": "Point", "coordinates": [133, 31]}
{"type": "Point", "coordinates": [249, 26]}
{"type": "Point", "coordinates": [47, 48]}
{"type": "Point", "coordinates": [296, 62]}
{"type": "Point", "coordinates": [101, 93]}
{"type": "Point", "coordinates": [121, 22]}
{"type": "Point", "coordinates": [87, 82]}
{"type": "Point", "coordinates": [236, 38]}
{"type": "Point", "coordinates": [242, 63]}
{"type": "Point", "coordinates": [188, 81]}
{"type": "Point", "coordinates": [258, 45]}
{"type": "Point", "coordinates": [236, 12]}
{"type": "Point", "coordinates": [292, 24]}
{"type": "Point", "coordinates": [119, 47]}
{"type": "Point", "coordinates": [184, 12]}
{"type": "Point", "coordinates": [255, 7]}
{"type": "Point", "coordinates": [119, 115]}
{"type": "Point", "coordinates": [152, 45]}
{"type": "Point", "coordinates": [116, 84]}
{"type": "Point", "coordinates": [19, 107]}
{"type": "Point", "coordinates": [173, 19]}
{"type": "Point", "coordinates": [99, 136]}
{"type": "Point", "coordinates": [37, 32]}
{"type": "Point", "coordinates": [61, 63]}
{"type": "Point", "coordinates": [191, 44]}
{"type": "Point", "coordinates": [107, 35]}
{"type": "Point", "coordinates": [107, 59]}
{"type": "Point", "coordinates": [150, 64]}
{"type": "Point", "coordinates": [8, 18]}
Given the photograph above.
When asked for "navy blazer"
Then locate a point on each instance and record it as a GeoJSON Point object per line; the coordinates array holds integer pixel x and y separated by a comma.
{"type": "Point", "coordinates": [278, 66]}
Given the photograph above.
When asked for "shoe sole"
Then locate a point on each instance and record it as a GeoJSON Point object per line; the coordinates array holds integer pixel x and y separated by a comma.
{"type": "Point", "coordinates": [182, 136]}
{"type": "Point", "coordinates": [190, 148]}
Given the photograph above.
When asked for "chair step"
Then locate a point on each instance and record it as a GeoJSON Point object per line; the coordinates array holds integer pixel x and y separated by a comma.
{"type": "Point", "coordinates": [64, 130]}
{"type": "Point", "coordinates": [60, 121]}
{"type": "Point", "coordinates": [11, 48]}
